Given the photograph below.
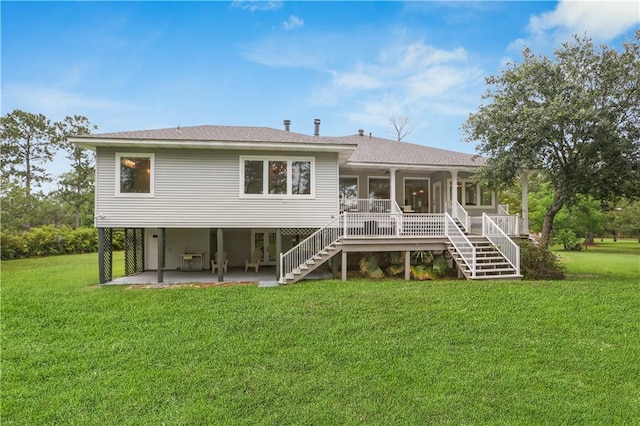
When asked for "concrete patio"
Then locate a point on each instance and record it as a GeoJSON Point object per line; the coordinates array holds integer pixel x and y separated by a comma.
{"type": "Point", "coordinates": [266, 277]}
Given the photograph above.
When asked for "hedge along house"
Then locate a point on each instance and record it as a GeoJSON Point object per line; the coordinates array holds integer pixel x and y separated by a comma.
{"type": "Point", "coordinates": [188, 196]}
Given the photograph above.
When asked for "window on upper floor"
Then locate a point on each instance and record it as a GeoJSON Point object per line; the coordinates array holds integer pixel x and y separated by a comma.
{"type": "Point", "coordinates": [284, 177]}
{"type": "Point", "coordinates": [134, 174]}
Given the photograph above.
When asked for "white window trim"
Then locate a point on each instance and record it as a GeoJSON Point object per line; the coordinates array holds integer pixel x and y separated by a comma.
{"type": "Point", "coordinates": [478, 195]}
{"type": "Point", "coordinates": [152, 163]}
{"type": "Point", "coordinates": [265, 177]}
{"type": "Point", "coordinates": [404, 189]}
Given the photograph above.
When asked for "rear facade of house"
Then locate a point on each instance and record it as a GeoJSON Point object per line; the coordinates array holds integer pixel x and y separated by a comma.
{"type": "Point", "coordinates": [186, 196]}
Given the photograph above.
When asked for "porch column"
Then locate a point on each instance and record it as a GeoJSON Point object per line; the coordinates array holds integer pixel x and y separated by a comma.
{"type": "Point", "coordinates": [392, 188]}
{"type": "Point", "coordinates": [344, 265]}
{"type": "Point", "coordinates": [278, 252]}
{"type": "Point", "coordinates": [525, 203]}
{"type": "Point", "coordinates": [454, 193]}
{"type": "Point", "coordinates": [220, 244]}
{"type": "Point", "coordinates": [160, 255]}
{"type": "Point", "coordinates": [407, 265]}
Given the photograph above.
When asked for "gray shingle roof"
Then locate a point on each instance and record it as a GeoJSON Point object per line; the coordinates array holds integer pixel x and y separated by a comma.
{"type": "Point", "coordinates": [372, 150]}
{"type": "Point", "coordinates": [387, 151]}
{"type": "Point", "coordinates": [219, 133]}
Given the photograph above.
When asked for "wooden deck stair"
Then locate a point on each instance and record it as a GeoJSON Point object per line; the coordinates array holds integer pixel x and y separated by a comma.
{"type": "Point", "coordinates": [490, 263]}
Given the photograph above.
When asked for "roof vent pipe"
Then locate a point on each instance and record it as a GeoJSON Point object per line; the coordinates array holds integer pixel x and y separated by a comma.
{"type": "Point", "coordinates": [287, 125]}
{"type": "Point", "coordinates": [316, 122]}
{"type": "Point", "coordinates": [361, 132]}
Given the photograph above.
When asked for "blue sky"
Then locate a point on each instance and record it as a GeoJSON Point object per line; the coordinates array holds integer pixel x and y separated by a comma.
{"type": "Point", "coordinates": [144, 65]}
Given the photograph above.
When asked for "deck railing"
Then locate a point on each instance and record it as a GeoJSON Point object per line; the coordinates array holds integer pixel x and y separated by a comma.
{"type": "Point", "coordinates": [367, 205]}
{"type": "Point", "coordinates": [311, 246]}
{"type": "Point", "coordinates": [463, 246]}
{"type": "Point", "coordinates": [463, 217]}
{"type": "Point", "coordinates": [503, 209]}
{"type": "Point", "coordinates": [505, 245]}
{"type": "Point", "coordinates": [510, 224]}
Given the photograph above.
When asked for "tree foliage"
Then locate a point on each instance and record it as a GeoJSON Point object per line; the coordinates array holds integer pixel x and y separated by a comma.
{"type": "Point", "coordinates": [76, 187]}
{"type": "Point", "coordinates": [28, 144]}
{"type": "Point", "coordinates": [574, 117]}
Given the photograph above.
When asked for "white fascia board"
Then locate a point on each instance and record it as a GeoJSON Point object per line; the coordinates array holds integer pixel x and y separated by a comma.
{"type": "Point", "coordinates": [92, 143]}
{"type": "Point", "coordinates": [429, 167]}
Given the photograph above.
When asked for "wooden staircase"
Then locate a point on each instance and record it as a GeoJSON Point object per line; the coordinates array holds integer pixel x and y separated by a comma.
{"type": "Point", "coordinates": [490, 263]}
{"type": "Point", "coordinates": [312, 264]}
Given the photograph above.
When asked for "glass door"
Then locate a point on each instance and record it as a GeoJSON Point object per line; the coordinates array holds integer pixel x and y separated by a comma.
{"type": "Point", "coordinates": [416, 194]}
{"type": "Point", "coordinates": [265, 242]}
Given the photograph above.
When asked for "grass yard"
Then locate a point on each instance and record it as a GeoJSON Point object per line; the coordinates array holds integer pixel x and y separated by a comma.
{"type": "Point", "coordinates": [360, 352]}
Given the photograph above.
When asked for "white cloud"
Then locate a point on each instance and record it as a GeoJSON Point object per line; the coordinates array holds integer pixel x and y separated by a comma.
{"type": "Point", "coordinates": [257, 6]}
{"type": "Point", "coordinates": [293, 22]}
{"type": "Point", "coordinates": [600, 20]}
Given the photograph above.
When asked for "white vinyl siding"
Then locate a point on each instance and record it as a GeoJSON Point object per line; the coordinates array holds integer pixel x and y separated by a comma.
{"type": "Point", "coordinates": [202, 188]}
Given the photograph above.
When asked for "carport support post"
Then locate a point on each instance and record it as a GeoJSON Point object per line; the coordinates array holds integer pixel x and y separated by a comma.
{"type": "Point", "coordinates": [278, 252]}
{"type": "Point", "coordinates": [101, 262]}
{"type": "Point", "coordinates": [220, 241]}
{"type": "Point", "coordinates": [407, 265]}
{"type": "Point", "coordinates": [344, 265]}
{"type": "Point", "coordinates": [160, 255]}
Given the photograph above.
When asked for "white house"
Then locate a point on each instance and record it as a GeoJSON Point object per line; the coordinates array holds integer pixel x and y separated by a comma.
{"type": "Point", "coordinates": [292, 200]}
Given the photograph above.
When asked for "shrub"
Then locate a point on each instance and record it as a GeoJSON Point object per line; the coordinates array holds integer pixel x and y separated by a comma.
{"type": "Point", "coordinates": [538, 262]}
{"type": "Point", "coordinates": [568, 239]}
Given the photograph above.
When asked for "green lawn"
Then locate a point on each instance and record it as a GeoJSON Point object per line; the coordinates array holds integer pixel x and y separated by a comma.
{"type": "Point", "coordinates": [360, 352]}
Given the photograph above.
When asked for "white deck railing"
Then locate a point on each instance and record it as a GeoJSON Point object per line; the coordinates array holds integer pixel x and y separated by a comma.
{"type": "Point", "coordinates": [505, 245]}
{"type": "Point", "coordinates": [311, 246]}
{"type": "Point", "coordinates": [510, 224]}
{"type": "Point", "coordinates": [503, 209]}
{"type": "Point", "coordinates": [466, 250]}
{"type": "Point", "coordinates": [367, 205]}
{"type": "Point", "coordinates": [463, 217]}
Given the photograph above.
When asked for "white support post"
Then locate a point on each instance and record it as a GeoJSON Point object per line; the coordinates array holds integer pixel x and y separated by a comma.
{"type": "Point", "coordinates": [392, 188]}
{"type": "Point", "coordinates": [525, 203]}
{"type": "Point", "coordinates": [454, 193]}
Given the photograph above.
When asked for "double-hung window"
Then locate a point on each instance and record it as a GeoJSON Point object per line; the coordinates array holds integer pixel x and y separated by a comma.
{"type": "Point", "coordinates": [134, 174]}
{"type": "Point", "coordinates": [284, 177]}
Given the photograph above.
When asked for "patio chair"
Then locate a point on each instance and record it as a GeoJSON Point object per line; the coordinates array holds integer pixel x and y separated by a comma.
{"type": "Point", "coordinates": [255, 261]}
{"type": "Point", "coordinates": [225, 263]}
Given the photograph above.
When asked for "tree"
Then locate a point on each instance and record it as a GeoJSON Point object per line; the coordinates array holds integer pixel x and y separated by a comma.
{"type": "Point", "coordinates": [401, 126]}
{"type": "Point", "coordinates": [28, 142]}
{"type": "Point", "coordinates": [76, 187]}
{"type": "Point", "coordinates": [575, 118]}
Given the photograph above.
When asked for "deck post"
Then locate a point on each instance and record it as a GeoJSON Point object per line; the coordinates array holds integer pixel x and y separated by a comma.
{"type": "Point", "coordinates": [525, 203]}
{"type": "Point", "coordinates": [344, 265]}
{"type": "Point", "coordinates": [407, 265]}
{"type": "Point", "coordinates": [160, 255]}
{"type": "Point", "coordinates": [220, 245]}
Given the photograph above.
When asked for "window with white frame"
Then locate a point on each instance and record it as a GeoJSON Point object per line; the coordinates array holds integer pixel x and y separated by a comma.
{"type": "Point", "coordinates": [282, 177]}
{"type": "Point", "coordinates": [134, 174]}
{"type": "Point", "coordinates": [471, 194]}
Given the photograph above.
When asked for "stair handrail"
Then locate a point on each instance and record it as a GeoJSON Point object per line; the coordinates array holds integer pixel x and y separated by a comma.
{"type": "Point", "coordinates": [312, 245]}
{"type": "Point", "coordinates": [505, 245]}
{"type": "Point", "coordinates": [463, 216]}
{"type": "Point", "coordinates": [461, 243]}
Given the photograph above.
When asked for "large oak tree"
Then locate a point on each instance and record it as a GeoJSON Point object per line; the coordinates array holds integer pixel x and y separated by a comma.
{"type": "Point", "coordinates": [574, 117]}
